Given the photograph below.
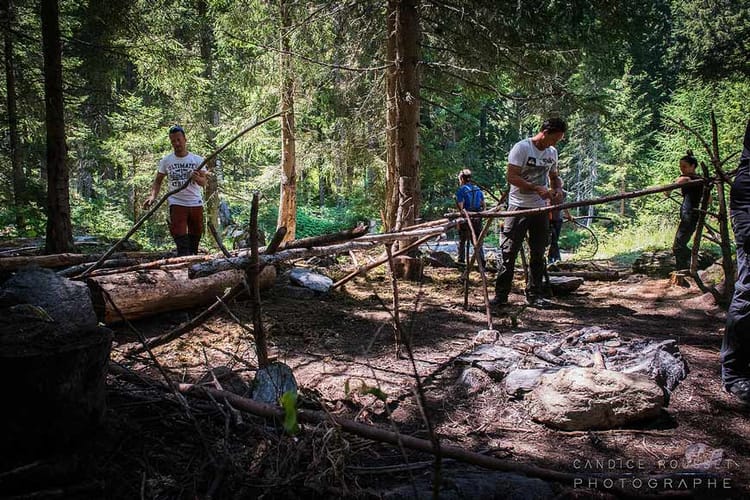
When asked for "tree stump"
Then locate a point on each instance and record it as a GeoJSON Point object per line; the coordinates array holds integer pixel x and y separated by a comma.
{"type": "Point", "coordinates": [53, 382]}
{"type": "Point", "coordinates": [53, 360]}
{"type": "Point", "coordinates": [408, 268]}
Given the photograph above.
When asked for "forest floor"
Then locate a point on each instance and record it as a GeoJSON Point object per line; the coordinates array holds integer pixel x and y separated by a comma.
{"type": "Point", "coordinates": [340, 346]}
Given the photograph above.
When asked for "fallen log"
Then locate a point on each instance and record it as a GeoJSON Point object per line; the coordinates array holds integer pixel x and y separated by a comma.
{"type": "Point", "coordinates": [107, 264]}
{"type": "Point", "coordinates": [168, 263]}
{"type": "Point", "coordinates": [325, 239]}
{"type": "Point", "coordinates": [144, 293]}
{"type": "Point", "coordinates": [66, 259]}
{"type": "Point", "coordinates": [242, 261]}
{"type": "Point", "coordinates": [366, 267]}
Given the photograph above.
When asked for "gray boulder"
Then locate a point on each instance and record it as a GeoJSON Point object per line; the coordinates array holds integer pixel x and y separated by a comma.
{"type": "Point", "coordinates": [66, 302]}
{"type": "Point", "coordinates": [590, 398]}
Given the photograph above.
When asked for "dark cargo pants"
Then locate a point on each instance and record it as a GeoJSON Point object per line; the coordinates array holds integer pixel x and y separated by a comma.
{"type": "Point", "coordinates": [685, 230]}
{"type": "Point", "coordinates": [515, 230]}
{"type": "Point", "coordinates": [735, 349]}
{"type": "Point", "coordinates": [466, 243]}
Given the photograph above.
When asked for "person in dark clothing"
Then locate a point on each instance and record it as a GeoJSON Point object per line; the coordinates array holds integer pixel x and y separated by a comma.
{"type": "Point", "coordinates": [691, 197]}
{"type": "Point", "coordinates": [735, 349]}
{"type": "Point", "coordinates": [534, 180]}
{"type": "Point", "coordinates": [469, 196]}
{"type": "Point", "coordinates": [555, 223]}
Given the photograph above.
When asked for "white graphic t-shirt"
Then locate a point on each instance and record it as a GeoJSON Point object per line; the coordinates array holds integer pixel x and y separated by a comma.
{"type": "Point", "coordinates": [535, 167]}
{"type": "Point", "coordinates": [178, 170]}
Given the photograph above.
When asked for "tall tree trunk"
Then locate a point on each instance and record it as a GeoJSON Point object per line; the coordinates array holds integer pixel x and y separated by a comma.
{"type": "Point", "coordinates": [19, 178]}
{"type": "Point", "coordinates": [288, 200]}
{"type": "Point", "coordinates": [59, 230]}
{"type": "Point", "coordinates": [402, 121]}
{"type": "Point", "coordinates": [212, 115]}
{"type": "Point", "coordinates": [727, 263]}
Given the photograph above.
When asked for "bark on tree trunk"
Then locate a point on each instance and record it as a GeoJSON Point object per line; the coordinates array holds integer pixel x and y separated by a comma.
{"type": "Point", "coordinates": [59, 230]}
{"type": "Point", "coordinates": [288, 201]}
{"type": "Point", "coordinates": [54, 385]}
{"type": "Point", "coordinates": [19, 179]}
{"type": "Point", "coordinates": [402, 120]}
{"type": "Point", "coordinates": [212, 116]}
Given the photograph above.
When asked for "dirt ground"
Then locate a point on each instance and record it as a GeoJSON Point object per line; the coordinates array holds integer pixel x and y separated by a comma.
{"type": "Point", "coordinates": [341, 346]}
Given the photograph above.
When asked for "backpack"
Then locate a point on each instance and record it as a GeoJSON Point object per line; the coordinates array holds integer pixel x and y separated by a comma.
{"type": "Point", "coordinates": [473, 198]}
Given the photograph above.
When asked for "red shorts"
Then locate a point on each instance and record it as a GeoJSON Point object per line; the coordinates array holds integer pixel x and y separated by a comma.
{"type": "Point", "coordinates": [185, 220]}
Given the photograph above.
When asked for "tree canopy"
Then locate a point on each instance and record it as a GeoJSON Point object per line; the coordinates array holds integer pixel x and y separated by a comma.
{"type": "Point", "coordinates": [489, 72]}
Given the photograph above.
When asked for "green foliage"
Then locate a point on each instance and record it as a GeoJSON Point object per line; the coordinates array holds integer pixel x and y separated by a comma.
{"type": "Point", "coordinates": [98, 217]}
{"type": "Point", "coordinates": [712, 37]}
{"type": "Point", "coordinates": [629, 240]}
{"type": "Point", "coordinates": [288, 402]}
{"type": "Point", "coordinates": [615, 70]}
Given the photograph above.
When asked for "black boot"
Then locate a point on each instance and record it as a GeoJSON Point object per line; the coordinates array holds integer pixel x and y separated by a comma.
{"type": "Point", "coordinates": [183, 244]}
{"type": "Point", "coordinates": [195, 240]}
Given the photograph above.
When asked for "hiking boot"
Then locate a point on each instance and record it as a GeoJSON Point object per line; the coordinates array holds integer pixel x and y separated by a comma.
{"type": "Point", "coordinates": [499, 301]}
{"type": "Point", "coordinates": [539, 303]}
{"type": "Point", "coordinates": [740, 390]}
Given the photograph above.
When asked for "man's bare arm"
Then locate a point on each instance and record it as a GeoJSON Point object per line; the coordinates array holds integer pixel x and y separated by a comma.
{"type": "Point", "coordinates": [155, 188]}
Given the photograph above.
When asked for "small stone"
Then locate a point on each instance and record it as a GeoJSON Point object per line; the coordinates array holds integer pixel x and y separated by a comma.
{"type": "Point", "coordinates": [473, 380]}
{"type": "Point", "coordinates": [310, 279]}
{"type": "Point", "coordinates": [272, 382]}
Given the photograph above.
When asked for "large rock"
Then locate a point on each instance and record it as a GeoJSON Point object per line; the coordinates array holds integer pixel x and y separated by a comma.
{"type": "Point", "coordinates": [563, 285]}
{"type": "Point", "coordinates": [589, 398]}
{"type": "Point", "coordinates": [66, 302]}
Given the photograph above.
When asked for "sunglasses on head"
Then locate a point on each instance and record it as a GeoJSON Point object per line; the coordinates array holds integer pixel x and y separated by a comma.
{"type": "Point", "coordinates": [176, 128]}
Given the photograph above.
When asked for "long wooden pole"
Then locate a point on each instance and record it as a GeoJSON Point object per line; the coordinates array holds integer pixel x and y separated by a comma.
{"type": "Point", "coordinates": [583, 203]}
{"type": "Point", "coordinates": [379, 262]}
{"type": "Point", "coordinates": [253, 276]}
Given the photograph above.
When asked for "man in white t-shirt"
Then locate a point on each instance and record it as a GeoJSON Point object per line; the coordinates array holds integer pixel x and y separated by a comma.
{"type": "Point", "coordinates": [186, 205]}
{"type": "Point", "coordinates": [534, 181]}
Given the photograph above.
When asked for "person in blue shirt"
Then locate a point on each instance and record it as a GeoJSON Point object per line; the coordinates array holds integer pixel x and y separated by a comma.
{"type": "Point", "coordinates": [469, 196]}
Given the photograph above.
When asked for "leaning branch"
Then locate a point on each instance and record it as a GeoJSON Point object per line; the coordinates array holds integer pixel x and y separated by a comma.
{"type": "Point", "coordinates": [365, 242]}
